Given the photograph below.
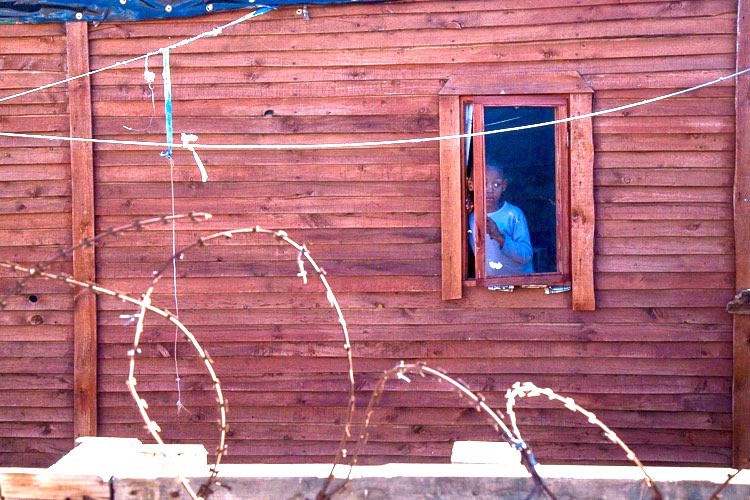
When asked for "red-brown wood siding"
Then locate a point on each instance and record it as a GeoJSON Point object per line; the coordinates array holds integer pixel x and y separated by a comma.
{"type": "Point", "coordinates": [36, 339]}
{"type": "Point", "coordinates": [653, 361]}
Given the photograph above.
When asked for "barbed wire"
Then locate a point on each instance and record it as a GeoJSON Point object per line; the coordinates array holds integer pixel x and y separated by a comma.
{"type": "Point", "coordinates": [509, 433]}
{"type": "Point", "coordinates": [528, 390]}
{"type": "Point", "coordinates": [421, 369]}
{"type": "Point", "coordinates": [303, 255]}
{"type": "Point", "coordinates": [151, 426]}
{"type": "Point", "coordinates": [90, 242]}
{"type": "Point", "coordinates": [145, 305]}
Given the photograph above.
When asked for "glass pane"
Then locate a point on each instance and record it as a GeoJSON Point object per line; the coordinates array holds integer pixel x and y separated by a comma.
{"type": "Point", "coordinates": [520, 192]}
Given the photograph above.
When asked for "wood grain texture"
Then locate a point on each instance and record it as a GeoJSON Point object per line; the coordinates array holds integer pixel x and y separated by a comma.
{"type": "Point", "coordinates": [654, 359]}
{"type": "Point", "coordinates": [450, 200]}
{"type": "Point", "coordinates": [82, 215]}
{"type": "Point", "coordinates": [741, 195]}
{"type": "Point", "coordinates": [582, 212]}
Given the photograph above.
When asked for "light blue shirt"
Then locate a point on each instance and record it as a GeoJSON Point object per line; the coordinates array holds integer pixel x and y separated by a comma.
{"type": "Point", "coordinates": [515, 256]}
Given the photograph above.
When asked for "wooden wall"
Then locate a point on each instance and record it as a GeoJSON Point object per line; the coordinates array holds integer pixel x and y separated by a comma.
{"type": "Point", "coordinates": [653, 361]}
{"type": "Point", "coordinates": [36, 338]}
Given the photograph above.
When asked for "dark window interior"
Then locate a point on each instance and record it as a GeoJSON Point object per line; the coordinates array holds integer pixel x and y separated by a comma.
{"type": "Point", "coordinates": [528, 159]}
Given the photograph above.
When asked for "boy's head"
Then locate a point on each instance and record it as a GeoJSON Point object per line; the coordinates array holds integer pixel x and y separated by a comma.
{"type": "Point", "coordinates": [496, 182]}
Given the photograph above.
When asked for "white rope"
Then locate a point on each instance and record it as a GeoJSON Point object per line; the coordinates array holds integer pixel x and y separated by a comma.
{"type": "Point", "coordinates": [179, 404]}
{"type": "Point", "coordinates": [370, 144]}
{"type": "Point", "coordinates": [211, 33]}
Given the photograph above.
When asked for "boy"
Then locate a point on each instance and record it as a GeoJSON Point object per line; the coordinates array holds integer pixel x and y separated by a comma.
{"type": "Point", "coordinates": [508, 244]}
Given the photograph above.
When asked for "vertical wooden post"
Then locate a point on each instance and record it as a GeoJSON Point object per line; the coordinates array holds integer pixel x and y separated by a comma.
{"type": "Point", "coordinates": [82, 214]}
{"type": "Point", "coordinates": [582, 218]}
{"type": "Point", "coordinates": [741, 378]}
{"type": "Point", "coordinates": [451, 198]}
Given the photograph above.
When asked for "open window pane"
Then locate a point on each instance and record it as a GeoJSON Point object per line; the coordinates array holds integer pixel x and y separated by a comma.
{"type": "Point", "coordinates": [520, 192]}
{"type": "Point", "coordinates": [517, 194]}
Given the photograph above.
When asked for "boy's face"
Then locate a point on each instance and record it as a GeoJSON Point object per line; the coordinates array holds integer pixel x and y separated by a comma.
{"type": "Point", "coordinates": [496, 184]}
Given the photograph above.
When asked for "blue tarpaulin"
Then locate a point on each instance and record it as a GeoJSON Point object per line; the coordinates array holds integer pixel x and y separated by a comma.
{"type": "Point", "coordinates": [32, 11]}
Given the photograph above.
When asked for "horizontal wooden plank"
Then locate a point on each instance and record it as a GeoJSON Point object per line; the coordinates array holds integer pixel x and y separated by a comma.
{"type": "Point", "coordinates": [47, 171]}
{"type": "Point", "coordinates": [663, 142]}
{"type": "Point", "coordinates": [685, 106]}
{"type": "Point", "coordinates": [38, 398]}
{"type": "Point", "coordinates": [284, 124]}
{"type": "Point", "coordinates": [161, 236]}
{"type": "Point", "coordinates": [12, 382]}
{"type": "Point", "coordinates": [570, 385]}
{"type": "Point", "coordinates": [425, 433]}
{"type": "Point", "coordinates": [663, 281]}
{"type": "Point", "coordinates": [119, 157]}
{"type": "Point", "coordinates": [44, 414]}
{"type": "Point", "coordinates": [36, 350]}
{"type": "Point", "coordinates": [664, 125]}
{"type": "Point", "coordinates": [33, 221]}
{"type": "Point", "coordinates": [423, 398]}
{"type": "Point", "coordinates": [17, 109]}
{"type": "Point", "coordinates": [416, 349]}
{"type": "Point", "coordinates": [254, 365]}
{"type": "Point", "coordinates": [456, 414]}
{"type": "Point", "coordinates": [139, 207]}
{"type": "Point", "coordinates": [268, 108]}
{"type": "Point", "coordinates": [296, 223]}
{"type": "Point", "coordinates": [639, 246]}
{"type": "Point", "coordinates": [308, 172]}
{"type": "Point", "coordinates": [36, 318]}
{"type": "Point", "coordinates": [53, 125]}
{"type": "Point", "coordinates": [277, 252]}
{"type": "Point", "coordinates": [410, 266]}
{"type": "Point", "coordinates": [37, 429]}
{"type": "Point", "coordinates": [648, 194]}
{"type": "Point", "coordinates": [651, 228]}
{"type": "Point", "coordinates": [35, 189]}
{"type": "Point", "coordinates": [499, 332]}
{"type": "Point", "coordinates": [15, 155]}
{"type": "Point", "coordinates": [665, 263]}
{"type": "Point", "coordinates": [663, 159]}
{"type": "Point", "coordinates": [666, 211]}
{"type": "Point", "coordinates": [668, 177]}
{"type": "Point", "coordinates": [636, 296]}
{"type": "Point", "coordinates": [31, 333]}
{"type": "Point", "coordinates": [29, 213]}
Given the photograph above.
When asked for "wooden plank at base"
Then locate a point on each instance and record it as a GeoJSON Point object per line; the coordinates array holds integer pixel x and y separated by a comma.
{"type": "Point", "coordinates": [450, 198]}
{"type": "Point", "coordinates": [28, 485]}
{"type": "Point", "coordinates": [82, 181]}
{"type": "Point", "coordinates": [582, 204]}
{"type": "Point", "coordinates": [741, 378]}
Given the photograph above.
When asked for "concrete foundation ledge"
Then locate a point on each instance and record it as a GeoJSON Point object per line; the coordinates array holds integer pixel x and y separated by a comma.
{"type": "Point", "coordinates": [401, 481]}
{"type": "Point", "coordinates": [449, 481]}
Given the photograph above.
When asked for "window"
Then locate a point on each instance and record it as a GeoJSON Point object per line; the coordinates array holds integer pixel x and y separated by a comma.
{"type": "Point", "coordinates": [513, 210]}
{"type": "Point", "coordinates": [517, 207]}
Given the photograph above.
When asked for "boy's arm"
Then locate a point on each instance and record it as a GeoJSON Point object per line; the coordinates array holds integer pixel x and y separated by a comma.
{"type": "Point", "coordinates": [517, 245]}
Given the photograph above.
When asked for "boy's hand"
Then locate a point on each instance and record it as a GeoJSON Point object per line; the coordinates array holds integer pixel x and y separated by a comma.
{"type": "Point", "coordinates": [494, 232]}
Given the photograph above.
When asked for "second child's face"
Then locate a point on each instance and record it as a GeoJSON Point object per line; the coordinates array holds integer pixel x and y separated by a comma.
{"type": "Point", "coordinates": [496, 185]}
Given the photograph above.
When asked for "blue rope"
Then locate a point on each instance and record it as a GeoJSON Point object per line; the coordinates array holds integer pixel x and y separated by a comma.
{"type": "Point", "coordinates": [167, 77]}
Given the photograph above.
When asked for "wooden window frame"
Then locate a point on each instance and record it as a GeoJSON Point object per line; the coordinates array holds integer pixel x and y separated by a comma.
{"type": "Point", "coordinates": [562, 276]}
{"type": "Point", "coordinates": [576, 197]}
